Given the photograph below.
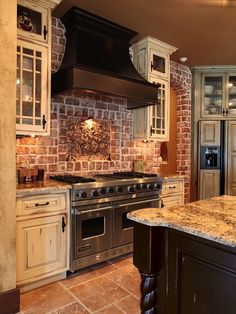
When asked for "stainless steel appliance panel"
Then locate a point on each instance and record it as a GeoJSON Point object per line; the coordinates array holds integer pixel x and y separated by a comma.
{"type": "Point", "coordinates": [122, 226]}
{"type": "Point", "coordinates": [92, 229]}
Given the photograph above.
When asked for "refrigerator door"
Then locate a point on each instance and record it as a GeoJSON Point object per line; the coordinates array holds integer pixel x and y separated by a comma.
{"type": "Point", "coordinates": [210, 159]}
{"type": "Point", "coordinates": [230, 158]}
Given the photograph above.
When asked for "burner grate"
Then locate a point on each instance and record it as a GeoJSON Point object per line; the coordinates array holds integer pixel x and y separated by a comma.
{"type": "Point", "coordinates": [71, 179]}
{"type": "Point", "coordinates": [135, 174]}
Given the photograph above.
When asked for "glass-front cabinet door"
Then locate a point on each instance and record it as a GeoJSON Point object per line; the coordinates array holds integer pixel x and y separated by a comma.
{"type": "Point", "coordinates": [32, 21]}
{"type": "Point", "coordinates": [158, 114]}
{"type": "Point", "coordinates": [231, 95]}
{"type": "Point", "coordinates": [31, 88]}
{"type": "Point", "coordinates": [213, 95]}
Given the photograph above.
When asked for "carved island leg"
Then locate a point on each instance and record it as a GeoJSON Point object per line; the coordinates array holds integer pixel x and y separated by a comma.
{"type": "Point", "coordinates": [148, 248]}
{"type": "Point", "coordinates": [148, 287]}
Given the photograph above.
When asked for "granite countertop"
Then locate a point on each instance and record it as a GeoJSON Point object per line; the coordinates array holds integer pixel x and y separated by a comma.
{"type": "Point", "coordinates": [213, 219]}
{"type": "Point", "coordinates": [41, 186]}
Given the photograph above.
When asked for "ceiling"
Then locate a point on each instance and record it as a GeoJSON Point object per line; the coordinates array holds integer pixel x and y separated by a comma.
{"type": "Point", "coordinates": [204, 31]}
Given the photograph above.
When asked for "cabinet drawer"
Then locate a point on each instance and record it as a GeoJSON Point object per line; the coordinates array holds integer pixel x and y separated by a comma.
{"type": "Point", "coordinates": [172, 187]}
{"type": "Point", "coordinates": [169, 201]}
{"type": "Point", "coordinates": [40, 204]}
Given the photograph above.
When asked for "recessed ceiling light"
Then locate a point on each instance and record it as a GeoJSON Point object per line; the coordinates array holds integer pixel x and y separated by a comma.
{"type": "Point", "coordinates": [183, 59]}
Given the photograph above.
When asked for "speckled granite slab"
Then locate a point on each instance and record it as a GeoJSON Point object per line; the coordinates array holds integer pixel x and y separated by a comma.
{"type": "Point", "coordinates": [40, 186]}
{"type": "Point", "coordinates": [213, 219]}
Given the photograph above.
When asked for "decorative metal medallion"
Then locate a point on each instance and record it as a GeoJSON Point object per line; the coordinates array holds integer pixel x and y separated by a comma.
{"type": "Point", "coordinates": [90, 138]}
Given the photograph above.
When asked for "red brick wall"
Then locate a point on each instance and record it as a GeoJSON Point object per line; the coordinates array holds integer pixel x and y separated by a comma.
{"type": "Point", "coordinates": [51, 152]}
{"type": "Point", "coordinates": [180, 80]}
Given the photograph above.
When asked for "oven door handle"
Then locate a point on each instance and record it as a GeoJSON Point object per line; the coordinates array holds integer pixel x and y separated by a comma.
{"type": "Point", "coordinates": [79, 212]}
{"type": "Point", "coordinates": [139, 202]}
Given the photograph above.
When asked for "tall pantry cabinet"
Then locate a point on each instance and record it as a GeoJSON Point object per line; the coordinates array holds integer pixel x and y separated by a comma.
{"type": "Point", "coordinates": [151, 58]}
{"type": "Point", "coordinates": [214, 131]}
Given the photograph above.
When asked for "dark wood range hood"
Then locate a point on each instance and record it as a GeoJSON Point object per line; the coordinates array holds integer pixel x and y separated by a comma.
{"type": "Point", "coordinates": [97, 59]}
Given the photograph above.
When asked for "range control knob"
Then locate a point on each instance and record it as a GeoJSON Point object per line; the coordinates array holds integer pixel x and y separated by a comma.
{"type": "Point", "coordinates": [144, 186]}
{"type": "Point", "coordinates": [95, 193]}
{"type": "Point", "coordinates": [137, 187]}
{"type": "Point", "coordinates": [111, 190]}
{"type": "Point", "coordinates": [103, 191]}
{"type": "Point", "coordinates": [158, 186]}
{"type": "Point", "coordinates": [150, 187]}
{"type": "Point", "coordinates": [131, 189]}
{"type": "Point", "coordinates": [83, 194]}
{"type": "Point", "coordinates": [119, 189]}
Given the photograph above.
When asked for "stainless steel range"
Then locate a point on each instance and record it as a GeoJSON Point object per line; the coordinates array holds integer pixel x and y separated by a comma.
{"type": "Point", "coordinates": [99, 205]}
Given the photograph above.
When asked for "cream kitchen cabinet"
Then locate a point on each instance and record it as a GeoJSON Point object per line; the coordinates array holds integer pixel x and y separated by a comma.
{"type": "Point", "coordinates": [210, 133]}
{"type": "Point", "coordinates": [42, 235]}
{"type": "Point", "coordinates": [209, 183]}
{"type": "Point", "coordinates": [215, 92]}
{"type": "Point", "coordinates": [33, 66]}
{"type": "Point", "coordinates": [172, 193]}
{"type": "Point", "coordinates": [151, 58]}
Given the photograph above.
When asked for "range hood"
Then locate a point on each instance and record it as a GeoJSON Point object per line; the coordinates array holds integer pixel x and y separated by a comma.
{"type": "Point", "coordinates": [97, 59]}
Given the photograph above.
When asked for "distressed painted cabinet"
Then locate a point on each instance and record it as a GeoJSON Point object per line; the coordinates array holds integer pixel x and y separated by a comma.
{"type": "Point", "coordinates": [151, 58]}
{"type": "Point", "coordinates": [33, 78]}
{"type": "Point", "coordinates": [172, 193]}
{"type": "Point", "coordinates": [42, 233]}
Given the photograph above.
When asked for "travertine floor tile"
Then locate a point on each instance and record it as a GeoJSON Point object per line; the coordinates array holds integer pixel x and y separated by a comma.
{"type": "Point", "coordinates": [129, 305]}
{"type": "Point", "coordinates": [110, 287]}
{"type": "Point", "coordinates": [98, 293]}
{"type": "Point", "coordinates": [87, 274]}
{"type": "Point", "coordinates": [45, 299]}
{"type": "Point", "coordinates": [74, 308]}
{"type": "Point", "coordinates": [112, 309]}
{"type": "Point", "coordinates": [128, 278]}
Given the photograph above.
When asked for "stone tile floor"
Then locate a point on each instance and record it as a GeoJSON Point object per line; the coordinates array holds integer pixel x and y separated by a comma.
{"type": "Point", "coordinates": [110, 287]}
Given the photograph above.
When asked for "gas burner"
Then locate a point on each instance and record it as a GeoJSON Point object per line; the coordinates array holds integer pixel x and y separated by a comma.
{"type": "Point", "coordinates": [72, 179]}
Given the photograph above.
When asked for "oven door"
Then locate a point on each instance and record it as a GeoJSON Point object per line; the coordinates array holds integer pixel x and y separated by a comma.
{"type": "Point", "coordinates": [91, 229]}
{"type": "Point", "coordinates": [122, 226]}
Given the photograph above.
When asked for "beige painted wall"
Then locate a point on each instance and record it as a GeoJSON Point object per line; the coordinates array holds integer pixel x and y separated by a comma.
{"type": "Point", "coordinates": [7, 144]}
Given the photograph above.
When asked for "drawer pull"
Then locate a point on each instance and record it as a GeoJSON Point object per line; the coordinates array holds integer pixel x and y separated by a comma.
{"type": "Point", "coordinates": [172, 187]}
{"type": "Point", "coordinates": [42, 204]}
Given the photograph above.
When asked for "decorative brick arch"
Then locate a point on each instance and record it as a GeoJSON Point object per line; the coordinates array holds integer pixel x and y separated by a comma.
{"type": "Point", "coordinates": [180, 81]}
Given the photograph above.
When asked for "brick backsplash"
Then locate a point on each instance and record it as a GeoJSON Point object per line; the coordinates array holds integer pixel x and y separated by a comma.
{"type": "Point", "coordinates": [51, 152]}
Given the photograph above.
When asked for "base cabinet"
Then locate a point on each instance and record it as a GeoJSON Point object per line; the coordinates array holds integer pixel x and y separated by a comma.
{"type": "Point", "coordinates": [172, 193]}
{"type": "Point", "coordinates": [183, 274]}
{"type": "Point", "coordinates": [41, 246]}
{"type": "Point", "coordinates": [202, 277]}
{"type": "Point", "coordinates": [42, 235]}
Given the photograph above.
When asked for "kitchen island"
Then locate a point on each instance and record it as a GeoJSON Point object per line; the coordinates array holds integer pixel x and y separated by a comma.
{"type": "Point", "coordinates": [186, 256]}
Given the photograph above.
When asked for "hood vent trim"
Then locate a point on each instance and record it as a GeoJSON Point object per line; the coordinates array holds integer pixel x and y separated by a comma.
{"type": "Point", "coordinates": [97, 59]}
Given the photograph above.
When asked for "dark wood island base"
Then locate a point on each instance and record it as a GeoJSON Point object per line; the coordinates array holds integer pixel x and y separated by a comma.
{"type": "Point", "coordinates": [183, 273]}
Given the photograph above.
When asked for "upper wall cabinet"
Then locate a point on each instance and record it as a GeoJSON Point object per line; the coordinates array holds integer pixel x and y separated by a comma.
{"type": "Point", "coordinates": [33, 81]}
{"type": "Point", "coordinates": [215, 92]}
{"type": "Point", "coordinates": [151, 58]}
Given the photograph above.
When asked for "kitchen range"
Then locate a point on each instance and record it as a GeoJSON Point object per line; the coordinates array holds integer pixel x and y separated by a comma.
{"type": "Point", "coordinates": [100, 229]}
